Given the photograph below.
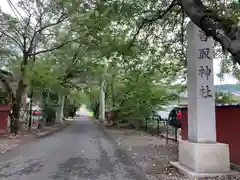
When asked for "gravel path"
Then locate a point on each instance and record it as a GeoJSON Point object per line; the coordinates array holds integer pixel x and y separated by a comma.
{"type": "Point", "coordinates": [153, 155]}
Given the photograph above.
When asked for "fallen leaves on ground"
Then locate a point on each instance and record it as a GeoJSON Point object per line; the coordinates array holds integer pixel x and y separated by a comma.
{"type": "Point", "coordinates": [153, 155]}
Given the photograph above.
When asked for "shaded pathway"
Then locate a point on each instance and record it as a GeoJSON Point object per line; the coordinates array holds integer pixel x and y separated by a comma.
{"type": "Point", "coordinates": [82, 151]}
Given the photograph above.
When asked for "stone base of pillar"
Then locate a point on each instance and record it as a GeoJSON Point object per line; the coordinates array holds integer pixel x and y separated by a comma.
{"type": "Point", "coordinates": [59, 121]}
{"type": "Point", "coordinates": [203, 159]}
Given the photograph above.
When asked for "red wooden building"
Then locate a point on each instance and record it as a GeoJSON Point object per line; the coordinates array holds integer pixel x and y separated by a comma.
{"type": "Point", "coordinates": [227, 128]}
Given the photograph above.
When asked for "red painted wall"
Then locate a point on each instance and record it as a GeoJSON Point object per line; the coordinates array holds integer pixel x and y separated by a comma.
{"type": "Point", "coordinates": [184, 124]}
{"type": "Point", "coordinates": [227, 126]}
{"type": "Point", "coordinates": [4, 113]}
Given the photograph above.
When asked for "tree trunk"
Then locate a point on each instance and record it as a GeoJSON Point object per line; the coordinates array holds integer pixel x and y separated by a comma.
{"type": "Point", "coordinates": [16, 107]}
{"type": "Point", "coordinates": [96, 109]}
{"type": "Point", "coordinates": [222, 30]}
{"type": "Point", "coordinates": [15, 115]}
{"type": "Point", "coordinates": [113, 91]}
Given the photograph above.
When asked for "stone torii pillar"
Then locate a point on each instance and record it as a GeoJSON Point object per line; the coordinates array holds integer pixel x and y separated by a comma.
{"type": "Point", "coordinates": [201, 155]}
{"type": "Point", "coordinates": [102, 102]}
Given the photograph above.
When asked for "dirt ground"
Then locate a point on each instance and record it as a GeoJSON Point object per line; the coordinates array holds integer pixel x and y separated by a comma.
{"type": "Point", "coordinates": [152, 155]}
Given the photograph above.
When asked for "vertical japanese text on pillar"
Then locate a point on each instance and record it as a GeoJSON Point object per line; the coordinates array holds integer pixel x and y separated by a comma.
{"type": "Point", "coordinates": [204, 71]}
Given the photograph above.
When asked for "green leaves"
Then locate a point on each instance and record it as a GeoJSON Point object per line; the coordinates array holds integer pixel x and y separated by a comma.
{"type": "Point", "coordinates": [225, 98]}
{"type": "Point", "coordinates": [137, 95]}
{"type": "Point", "coordinates": [78, 98]}
{"type": "Point", "coordinates": [43, 75]}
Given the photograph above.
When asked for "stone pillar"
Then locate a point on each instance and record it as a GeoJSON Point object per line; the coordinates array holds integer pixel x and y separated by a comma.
{"type": "Point", "coordinates": [102, 102]}
{"type": "Point", "coordinates": [60, 112]}
{"type": "Point", "coordinates": [200, 85]}
{"type": "Point", "coordinates": [201, 155]}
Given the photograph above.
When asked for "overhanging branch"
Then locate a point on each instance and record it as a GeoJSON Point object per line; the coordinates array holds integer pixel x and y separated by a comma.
{"type": "Point", "coordinates": [222, 30]}
{"type": "Point", "coordinates": [42, 28]}
{"type": "Point", "coordinates": [159, 15]}
{"type": "Point", "coordinates": [60, 19]}
{"type": "Point", "coordinates": [69, 69]}
{"type": "Point", "coordinates": [11, 37]}
{"type": "Point", "coordinates": [51, 49]}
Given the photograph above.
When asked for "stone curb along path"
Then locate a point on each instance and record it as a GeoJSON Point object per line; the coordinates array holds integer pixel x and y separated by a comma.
{"type": "Point", "coordinates": [8, 147]}
{"type": "Point", "coordinates": [48, 133]}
